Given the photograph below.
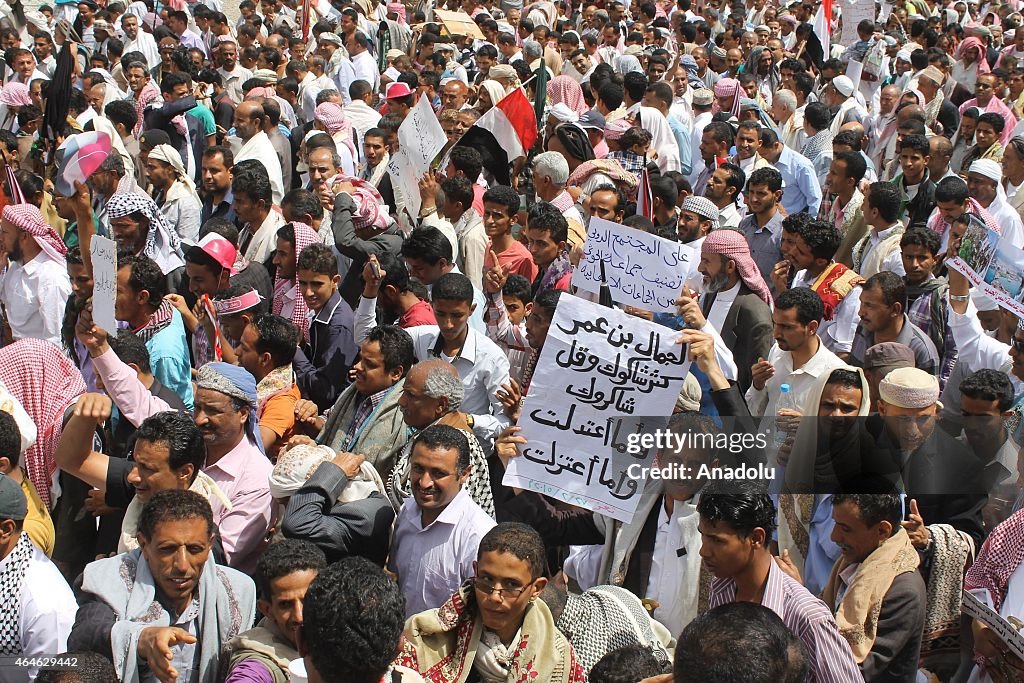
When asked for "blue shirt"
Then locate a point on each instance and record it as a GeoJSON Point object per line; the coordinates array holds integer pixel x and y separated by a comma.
{"type": "Point", "coordinates": [682, 136]}
{"type": "Point", "coordinates": [802, 191]}
{"type": "Point", "coordinates": [169, 359]}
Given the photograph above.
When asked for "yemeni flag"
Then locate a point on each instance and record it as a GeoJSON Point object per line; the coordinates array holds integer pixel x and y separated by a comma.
{"type": "Point", "coordinates": [823, 27]}
{"type": "Point", "coordinates": [644, 196]}
{"type": "Point", "coordinates": [502, 135]}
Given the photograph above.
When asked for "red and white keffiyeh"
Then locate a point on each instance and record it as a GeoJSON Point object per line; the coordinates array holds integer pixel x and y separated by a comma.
{"type": "Point", "coordinates": [733, 244]}
{"type": "Point", "coordinates": [28, 218]}
{"type": "Point", "coordinates": [304, 236]}
{"type": "Point", "coordinates": [46, 382]}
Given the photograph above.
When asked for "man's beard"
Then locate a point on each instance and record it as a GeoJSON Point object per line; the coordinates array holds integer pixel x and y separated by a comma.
{"type": "Point", "coordinates": [716, 285]}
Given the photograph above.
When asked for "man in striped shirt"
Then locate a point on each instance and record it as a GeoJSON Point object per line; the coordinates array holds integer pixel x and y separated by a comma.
{"type": "Point", "coordinates": [736, 525]}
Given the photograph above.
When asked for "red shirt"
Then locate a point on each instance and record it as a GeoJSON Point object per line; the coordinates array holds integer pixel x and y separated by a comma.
{"type": "Point", "coordinates": [517, 258]}
{"type": "Point", "coordinates": [420, 314]}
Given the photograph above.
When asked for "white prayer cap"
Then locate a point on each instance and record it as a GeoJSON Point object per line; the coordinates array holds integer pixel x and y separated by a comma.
{"type": "Point", "coordinates": [911, 388]}
{"type": "Point", "coordinates": [903, 55]}
{"type": "Point", "coordinates": [988, 168]}
{"type": "Point", "coordinates": [982, 301]}
{"type": "Point", "coordinates": [843, 85]}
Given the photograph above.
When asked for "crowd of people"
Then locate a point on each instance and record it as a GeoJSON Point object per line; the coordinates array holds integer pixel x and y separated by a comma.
{"type": "Point", "coordinates": [285, 459]}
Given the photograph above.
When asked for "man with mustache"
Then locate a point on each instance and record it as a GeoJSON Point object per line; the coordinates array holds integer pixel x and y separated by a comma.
{"type": "Point", "coordinates": [165, 608]}
{"type": "Point", "coordinates": [438, 530]}
{"type": "Point", "coordinates": [735, 300]}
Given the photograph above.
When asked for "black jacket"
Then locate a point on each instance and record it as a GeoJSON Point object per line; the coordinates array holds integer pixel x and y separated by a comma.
{"type": "Point", "coordinates": [362, 527]}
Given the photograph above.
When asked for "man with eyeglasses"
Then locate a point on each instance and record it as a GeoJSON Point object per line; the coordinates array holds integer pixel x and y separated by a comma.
{"type": "Point", "coordinates": [438, 530]}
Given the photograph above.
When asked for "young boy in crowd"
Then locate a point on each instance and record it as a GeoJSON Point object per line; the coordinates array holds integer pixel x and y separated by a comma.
{"type": "Point", "coordinates": [322, 364]}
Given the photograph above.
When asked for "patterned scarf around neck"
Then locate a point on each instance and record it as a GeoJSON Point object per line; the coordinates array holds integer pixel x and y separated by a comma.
{"type": "Point", "coordinates": [442, 644]}
{"type": "Point", "coordinates": [821, 142]}
{"type": "Point", "coordinates": [558, 269]}
{"type": "Point", "coordinates": [160, 319]}
{"type": "Point", "coordinates": [12, 575]}
{"type": "Point", "coordinates": [278, 380]}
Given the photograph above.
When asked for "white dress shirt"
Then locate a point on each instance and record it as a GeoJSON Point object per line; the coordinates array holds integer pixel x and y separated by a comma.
{"type": "Point", "coordinates": [35, 294]}
{"type": "Point", "coordinates": [433, 561]}
{"type": "Point", "coordinates": [801, 381]}
{"type": "Point", "coordinates": [721, 305]}
{"type": "Point", "coordinates": [260, 148]}
{"type": "Point", "coordinates": [365, 68]}
{"type": "Point", "coordinates": [675, 565]}
{"type": "Point", "coordinates": [48, 610]}
{"type": "Point", "coordinates": [481, 364]}
{"type": "Point", "coordinates": [836, 334]}
{"type": "Point", "coordinates": [264, 239]}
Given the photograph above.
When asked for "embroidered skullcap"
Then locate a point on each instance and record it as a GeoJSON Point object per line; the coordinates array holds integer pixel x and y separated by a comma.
{"type": "Point", "coordinates": [703, 97]}
{"type": "Point", "coordinates": [843, 85]}
{"type": "Point", "coordinates": [909, 388]}
{"type": "Point", "coordinates": [718, 52]}
{"type": "Point", "coordinates": [329, 37]}
{"type": "Point", "coordinates": [933, 73]}
{"type": "Point", "coordinates": [295, 466]}
{"type": "Point", "coordinates": [888, 356]}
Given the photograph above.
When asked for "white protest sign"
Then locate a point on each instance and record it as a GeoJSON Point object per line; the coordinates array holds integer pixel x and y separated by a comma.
{"type": "Point", "coordinates": [405, 181]}
{"type": "Point", "coordinates": [993, 265]}
{"type": "Point", "coordinates": [103, 252]}
{"type": "Point", "coordinates": [600, 375]}
{"type": "Point", "coordinates": [975, 608]}
{"type": "Point", "coordinates": [642, 270]}
{"type": "Point", "coordinates": [855, 11]}
{"type": "Point", "coordinates": [421, 137]}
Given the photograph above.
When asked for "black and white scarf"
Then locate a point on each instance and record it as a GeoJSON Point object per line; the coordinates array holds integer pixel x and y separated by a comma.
{"type": "Point", "coordinates": [12, 575]}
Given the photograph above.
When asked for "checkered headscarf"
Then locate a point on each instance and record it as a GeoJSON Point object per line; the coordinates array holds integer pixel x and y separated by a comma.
{"type": "Point", "coordinates": [46, 382]}
{"type": "Point", "coordinates": [28, 218]}
{"type": "Point", "coordinates": [162, 243]}
{"type": "Point", "coordinates": [304, 236]}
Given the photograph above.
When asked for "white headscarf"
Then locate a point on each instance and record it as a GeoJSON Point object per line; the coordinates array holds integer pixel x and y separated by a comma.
{"type": "Point", "coordinates": [627, 64]}
{"type": "Point", "coordinates": [169, 155]}
{"type": "Point", "coordinates": [495, 90]}
{"type": "Point", "coordinates": [662, 139]}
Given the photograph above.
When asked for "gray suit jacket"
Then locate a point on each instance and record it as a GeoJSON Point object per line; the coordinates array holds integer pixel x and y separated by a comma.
{"type": "Point", "coordinates": [747, 332]}
{"type": "Point", "coordinates": [893, 657]}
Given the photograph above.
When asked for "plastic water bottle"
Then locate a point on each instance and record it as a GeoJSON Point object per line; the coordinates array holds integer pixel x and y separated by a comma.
{"type": "Point", "coordinates": [785, 401]}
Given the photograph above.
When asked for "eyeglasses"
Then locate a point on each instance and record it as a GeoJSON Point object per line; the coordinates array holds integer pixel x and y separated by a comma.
{"type": "Point", "coordinates": [1018, 344]}
{"type": "Point", "coordinates": [488, 587]}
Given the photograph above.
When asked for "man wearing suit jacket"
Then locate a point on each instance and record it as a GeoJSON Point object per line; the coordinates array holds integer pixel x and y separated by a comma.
{"type": "Point", "coordinates": [942, 479]}
{"type": "Point", "coordinates": [876, 582]}
{"type": "Point", "coordinates": [736, 300]}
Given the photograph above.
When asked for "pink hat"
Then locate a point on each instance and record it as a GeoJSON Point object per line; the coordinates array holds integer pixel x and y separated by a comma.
{"type": "Point", "coordinates": [396, 90]}
{"type": "Point", "coordinates": [220, 250]}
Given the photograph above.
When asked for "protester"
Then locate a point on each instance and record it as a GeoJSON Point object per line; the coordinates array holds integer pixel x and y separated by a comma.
{"type": "Point", "coordinates": [579, 230]}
